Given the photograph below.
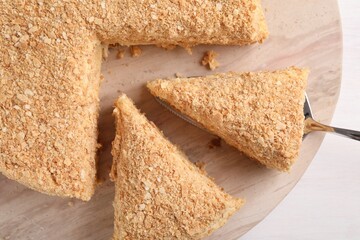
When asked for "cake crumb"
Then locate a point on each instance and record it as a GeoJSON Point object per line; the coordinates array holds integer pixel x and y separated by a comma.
{"type": "Point", "coordinates": [188, 50]}
{"type": "Point", "coordinates": [70, 204]}
{"type": "Point", "coordinates": [201, 166]}
{"type": "Point", "coordinates": [135, 51]}
{"type": "Point", "coordinates": [209, 60]}
{"type": "Point", "coordinates": [105, 51]}
{"type": "Point", "coordinates": [167, 47]}
{"type": "Point", "coordinates": [120, 54]}
{"type": "Point", "coordinates": [178, 75]}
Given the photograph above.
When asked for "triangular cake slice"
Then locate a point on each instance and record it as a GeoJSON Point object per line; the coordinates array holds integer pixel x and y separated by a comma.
{"type": "Point", "coordinates": [159, 194]}
{"type": "Point", "coordinates": [259, 113]}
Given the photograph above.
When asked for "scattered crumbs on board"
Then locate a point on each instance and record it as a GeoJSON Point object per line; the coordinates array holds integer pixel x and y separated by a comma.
{"type": "Point", "coordinates": [178, 75]}
{"type": "Point", "coordinates": [120, 54]}
{"type": "Point", "coordinates": [105, 51]}
{"type": "Point", "coordinates": [135, 51]}
{"type": "Point", "coordinates": [201, 166]}
{"type": "Point", "coordinates": [209, 60]}
{"type": "Point", "coordinates": [188, 50]}
{"type": "Point", "coordinates": [167, 47]}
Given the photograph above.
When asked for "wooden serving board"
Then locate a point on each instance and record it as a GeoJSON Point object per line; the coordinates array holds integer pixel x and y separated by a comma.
{"type": "Point", "coordinates": [303, 33]}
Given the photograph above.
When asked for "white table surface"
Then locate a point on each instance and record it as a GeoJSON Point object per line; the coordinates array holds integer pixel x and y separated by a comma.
{"type": "Point", "coordinates": [325, 204]}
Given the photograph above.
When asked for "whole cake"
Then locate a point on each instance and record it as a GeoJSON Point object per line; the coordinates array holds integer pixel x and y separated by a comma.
{"type": "Point", "coordinates": [51, 52]}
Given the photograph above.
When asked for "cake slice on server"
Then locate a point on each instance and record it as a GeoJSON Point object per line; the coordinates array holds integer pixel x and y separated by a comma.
{"type": "Point", "coordinates": [259, 113]}
{"type": "Point", "coordinates": [159, 193]}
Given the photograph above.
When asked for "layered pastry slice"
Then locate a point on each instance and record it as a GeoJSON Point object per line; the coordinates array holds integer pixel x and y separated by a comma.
{"type": "Point", "coordinates": [259, 113]}
{"type": "Point", "coordinates": [51, 56]}
{"type": "Point", "coordinates": [159, 194]}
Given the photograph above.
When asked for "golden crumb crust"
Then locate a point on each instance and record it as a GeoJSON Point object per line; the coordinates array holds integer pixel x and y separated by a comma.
{"type": "Point", "coordinates": [159, 193]}
{"type": "Point", "coordinates": [180, 22]}
{"type": "Point", "coordinates": [260, 113]}
{"type": "Point", "coordinates": [50, 71]}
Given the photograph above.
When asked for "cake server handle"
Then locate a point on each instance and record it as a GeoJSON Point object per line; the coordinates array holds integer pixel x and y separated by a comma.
{"type": "Point", "coordinates": [311, 125]}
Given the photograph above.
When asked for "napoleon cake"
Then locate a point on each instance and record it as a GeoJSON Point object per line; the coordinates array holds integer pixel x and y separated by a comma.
{"type": "Point", "coordinates": [51, 52]}
{"type": "Point", "coordinates": [159, 193]}
{"type": "Point", "coordinates": [259, 113]}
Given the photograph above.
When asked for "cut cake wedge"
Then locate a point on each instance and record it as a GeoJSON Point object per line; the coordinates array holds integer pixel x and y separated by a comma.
{"type": "Point", "coordinates": [259, 113]}
{"type": "Point", "coordinates": [159, 194]}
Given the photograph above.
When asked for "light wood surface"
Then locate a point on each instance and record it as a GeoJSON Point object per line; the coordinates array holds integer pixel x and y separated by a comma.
{"type": "Point", "coordinates": [325, 202]}
{"type": "Point", "coordinates": [303, 33]}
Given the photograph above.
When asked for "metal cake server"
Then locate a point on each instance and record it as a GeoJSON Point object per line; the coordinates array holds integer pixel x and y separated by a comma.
{"type": "Point", "coordinates": [180, 115]}
{"type": "Point", "coordinates": [310, 124]}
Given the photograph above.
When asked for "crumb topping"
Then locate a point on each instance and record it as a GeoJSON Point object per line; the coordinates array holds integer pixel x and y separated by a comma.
{"type": "Point", "coordinates": [51, 52]}
{"type": "Point", "coordinates": [259, 113]}
{"type": "Point", "coordinates": [159, 193]}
